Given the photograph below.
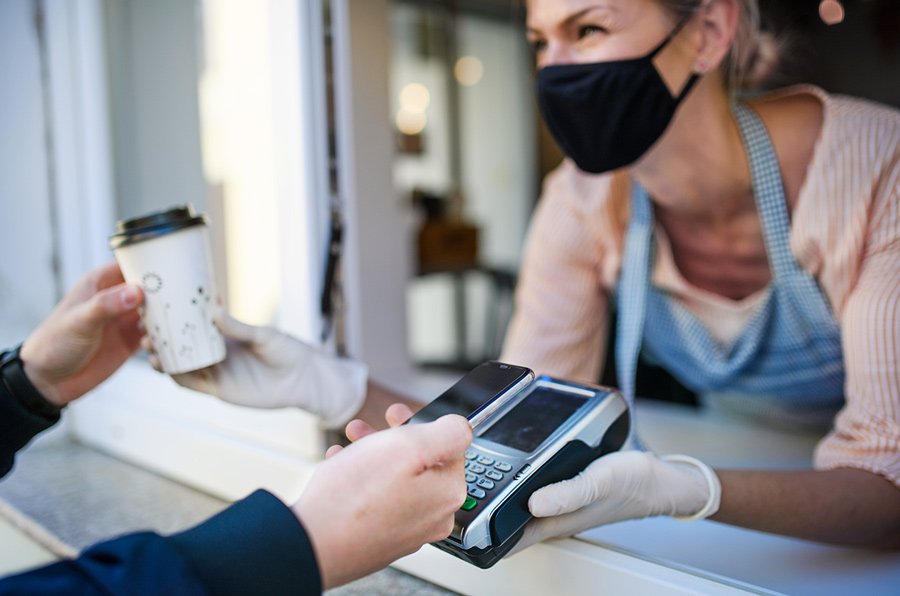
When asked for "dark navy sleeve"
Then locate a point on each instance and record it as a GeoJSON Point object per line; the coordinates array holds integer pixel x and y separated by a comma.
{"type": "Point", "coordinates": [256, 546]}
{"type": "Point", "coordinates": [139, 564]}
{"type": "Point", "coordinates": [18, 425]}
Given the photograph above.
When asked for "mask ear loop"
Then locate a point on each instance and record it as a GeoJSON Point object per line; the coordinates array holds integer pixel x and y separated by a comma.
{"type": "Point", "coordinates": [671, 35]}
{"type": "Point", "coordinates": [694, 76]}
{"type": "Point", "coordinates": [687, 87]}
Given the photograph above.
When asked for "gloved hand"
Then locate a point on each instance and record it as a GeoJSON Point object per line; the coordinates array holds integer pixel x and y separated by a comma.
{"type": "Point", "coordinates": [265, 368]}
{"type": "Point", "coordinates": [621, 486]}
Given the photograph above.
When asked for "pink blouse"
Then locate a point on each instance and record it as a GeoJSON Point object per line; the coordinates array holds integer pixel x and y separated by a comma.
{"type": "Point", "coordinates": [845, 230]}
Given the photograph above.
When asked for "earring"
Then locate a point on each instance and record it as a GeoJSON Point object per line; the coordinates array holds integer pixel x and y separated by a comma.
{"type": "Point", "coordinates": [701, 65]}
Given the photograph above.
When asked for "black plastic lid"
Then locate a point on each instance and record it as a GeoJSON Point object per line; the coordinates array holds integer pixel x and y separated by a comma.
{"type": "Point", "coordinates": [152, 225]}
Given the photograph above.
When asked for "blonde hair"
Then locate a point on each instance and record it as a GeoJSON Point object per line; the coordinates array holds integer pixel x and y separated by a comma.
{"type": "Point", "coordinates": [754, 55]}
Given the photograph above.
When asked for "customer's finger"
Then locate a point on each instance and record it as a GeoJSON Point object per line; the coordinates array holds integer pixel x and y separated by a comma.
{"type": "Point", "coordinates": [397, 414]}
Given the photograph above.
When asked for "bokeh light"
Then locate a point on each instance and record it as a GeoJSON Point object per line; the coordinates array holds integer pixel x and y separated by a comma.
{"type": "Point", "coordinates": [831, 11]}
{"type": "Point", "coordinates": [468, 70]}
{"type": "Point", "coordinates": [414, 98]}
{"type": "Point", "coordinates": [410, 123]}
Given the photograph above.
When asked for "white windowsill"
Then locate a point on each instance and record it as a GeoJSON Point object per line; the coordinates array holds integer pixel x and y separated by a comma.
{"type": "Point", "coordinates": [228, 451]}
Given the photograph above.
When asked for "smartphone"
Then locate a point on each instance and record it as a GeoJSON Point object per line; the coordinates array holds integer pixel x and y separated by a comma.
{"type": "Point", "coordinates": [478, 393]}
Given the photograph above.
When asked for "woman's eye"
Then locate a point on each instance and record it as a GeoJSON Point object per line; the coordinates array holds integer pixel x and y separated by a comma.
{"type": "Point", "coordinates": [538, 45]}
{"type": "Point", "coordinates": [589, 30]}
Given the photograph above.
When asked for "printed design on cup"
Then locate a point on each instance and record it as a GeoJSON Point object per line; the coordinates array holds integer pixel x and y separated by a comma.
{"type": "Point", "coordinates": [152, 283]}
{"type": "Point", "coordinates": [195, 336]}
{"type": "Point", "coordinates": [208, 332]}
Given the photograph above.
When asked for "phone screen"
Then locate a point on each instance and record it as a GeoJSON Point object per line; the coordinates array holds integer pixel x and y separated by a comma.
{"type": "Point", "coordinates": [475, 390]}
{"type": "Point", "coordinates": [534, 419]}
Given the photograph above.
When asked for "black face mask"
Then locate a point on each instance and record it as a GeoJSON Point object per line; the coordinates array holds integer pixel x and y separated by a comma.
{"type": "Point", "coordinates": [606, 115]}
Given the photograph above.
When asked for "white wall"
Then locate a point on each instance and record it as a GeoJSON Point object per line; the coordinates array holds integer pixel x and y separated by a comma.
{"type": "Point", "coordinates": [27, 287]}
{"type": "Point", "coordinates": [378, 261]}
{"type": "Point", "coordinates": [153, 61]}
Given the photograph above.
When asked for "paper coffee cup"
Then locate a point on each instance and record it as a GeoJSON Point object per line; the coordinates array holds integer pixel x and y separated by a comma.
{"type": "Point", "coordinates": [168, 254]}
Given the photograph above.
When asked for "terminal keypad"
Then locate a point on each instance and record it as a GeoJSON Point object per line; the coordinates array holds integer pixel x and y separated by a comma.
{"type": "Point", "coordinates": [484, 475]}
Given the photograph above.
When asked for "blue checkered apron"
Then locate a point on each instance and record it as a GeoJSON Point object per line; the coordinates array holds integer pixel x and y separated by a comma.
{"type": "Point", "coordinates": [786, 363]}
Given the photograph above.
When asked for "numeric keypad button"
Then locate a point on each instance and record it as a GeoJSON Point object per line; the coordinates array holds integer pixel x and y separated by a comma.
{"type": "Point", "coordinates": [476, 492]}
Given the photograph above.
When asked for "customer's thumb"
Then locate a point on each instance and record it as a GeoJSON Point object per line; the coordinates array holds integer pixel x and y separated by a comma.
{"type": "Point", "coordinates": [443, 440]}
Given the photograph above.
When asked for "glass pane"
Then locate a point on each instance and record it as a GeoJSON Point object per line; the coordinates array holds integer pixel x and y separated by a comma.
{"type": "Point", "coordinates": [466, 125]}
{"type": "Point", "coordinates": [238, 144]}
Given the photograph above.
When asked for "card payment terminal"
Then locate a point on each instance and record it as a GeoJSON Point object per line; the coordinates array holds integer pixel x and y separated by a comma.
{"type": "Point", "coordinates": [548, 432]}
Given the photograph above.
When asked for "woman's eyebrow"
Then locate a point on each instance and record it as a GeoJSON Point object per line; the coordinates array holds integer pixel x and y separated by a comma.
{"type": "Point", "coordinates": [579, 14]}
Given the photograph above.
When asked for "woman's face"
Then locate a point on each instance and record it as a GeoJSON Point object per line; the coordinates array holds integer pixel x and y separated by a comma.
{"type": "Point", "coordinates": [582, 31]}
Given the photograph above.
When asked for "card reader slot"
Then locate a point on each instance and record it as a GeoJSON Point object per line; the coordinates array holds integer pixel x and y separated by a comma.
{"type": "Point", "coordinates": [481, 557]}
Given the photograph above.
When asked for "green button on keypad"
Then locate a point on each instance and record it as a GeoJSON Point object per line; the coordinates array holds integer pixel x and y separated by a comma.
{"type": "Point", "coordinates": [469, 504]}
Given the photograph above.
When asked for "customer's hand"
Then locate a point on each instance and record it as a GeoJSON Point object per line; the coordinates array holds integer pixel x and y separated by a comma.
{"type": "Point", "coordinates": [265, 368]}
{"type": "Point", "coordinates": [385, 496]}
{"type": "Point", "coordinates": [395, 415]}
{"type": "Point", "coordinates": [90, 333]}
{"type": "Point", "coordinates": [621, 486]}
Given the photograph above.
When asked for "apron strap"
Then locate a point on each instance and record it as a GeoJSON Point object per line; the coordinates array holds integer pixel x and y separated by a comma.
{"type": "Point", "coordinates": [637, 256]}
{"type": "Point", "coordinates": [768, 188]}
{"type": "Point", "coordinates": [632, 296]}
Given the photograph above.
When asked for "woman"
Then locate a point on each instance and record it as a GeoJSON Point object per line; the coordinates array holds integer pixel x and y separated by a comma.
{"type": "Point", "coordinates": [763, 273]}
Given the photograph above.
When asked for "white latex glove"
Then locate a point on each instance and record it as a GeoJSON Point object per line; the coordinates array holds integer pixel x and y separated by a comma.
{"type": "Point", "coordinates": [265, 368]}
{"type": "Point", "coordinates": [621, 486]}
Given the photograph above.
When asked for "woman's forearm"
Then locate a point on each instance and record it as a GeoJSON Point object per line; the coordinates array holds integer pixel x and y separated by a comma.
{"type": "Point", "coordinates": [842, 506]}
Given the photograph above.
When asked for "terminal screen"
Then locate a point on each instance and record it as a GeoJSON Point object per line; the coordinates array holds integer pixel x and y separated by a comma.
{"type": "Point", "coordinates": [533, 419]}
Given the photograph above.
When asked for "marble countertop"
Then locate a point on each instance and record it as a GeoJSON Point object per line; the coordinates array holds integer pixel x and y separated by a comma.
{"type": "Point", "coordinates": [69, 496]}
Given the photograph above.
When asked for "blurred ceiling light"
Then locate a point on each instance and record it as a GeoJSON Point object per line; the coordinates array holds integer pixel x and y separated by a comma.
{"type": "Point", "coordinates": [468, 70]}
{"type": "Point", "coordinates": [831, 11]}
{"type": "Point", "coordinates": [414, 98]}
{"type": "Point", "coordinates": [410, 123]}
